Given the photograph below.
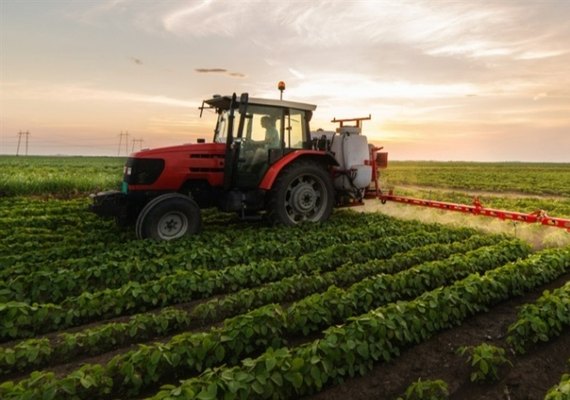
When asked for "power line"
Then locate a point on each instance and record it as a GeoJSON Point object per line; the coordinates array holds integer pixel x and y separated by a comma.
{"type": "Point", "coordinates": [20, 134]}
{"type": "Point", "coordinates": [139, 141]}
{"type": "Point", "coordinates": [126, 135]}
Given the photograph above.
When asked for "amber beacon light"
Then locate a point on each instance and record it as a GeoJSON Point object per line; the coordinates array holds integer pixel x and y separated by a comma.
{"type": "Point", "coordinates": [281, 87]}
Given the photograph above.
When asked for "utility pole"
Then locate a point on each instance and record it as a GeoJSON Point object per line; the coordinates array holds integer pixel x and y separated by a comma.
{"type": "Point", "coordinates": [126, 135]}
{"type": "Point", "coordinates": [19, 140]}
{"type": "Point", "coordinates": [20, 134]}
{"type": "Point", "coordinates": [139, 141]}
{"type": "Point", "coordinates": [120, 140]}
{"type": "Point", "coordinates": [127, 143]}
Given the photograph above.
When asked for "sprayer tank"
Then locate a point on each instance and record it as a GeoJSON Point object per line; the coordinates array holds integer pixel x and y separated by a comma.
{"type": "Point", "coordinates": [352, 153]}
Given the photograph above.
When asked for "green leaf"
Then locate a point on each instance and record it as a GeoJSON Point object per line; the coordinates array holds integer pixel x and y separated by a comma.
{"type": "Point", "coordinates": [362, 349]}
{"type": "Point", "coordinates": [220, 353]}
{"type": "Point", "coordinates": [209, 393]}
{"type": "Point", "coordinates": [277, 378]}
{"type": "Point", "coordinates": [155, 356]}
{"type": "Point", "coordinates": [86, 381]}
{"type": "Point", "coordinates": [270, 363]}
{"type": "Point", "coordinates": [297, 363]}
{"type": "Point", "coordinates": [257, 387]}
{"type": "Point", "coordinates": [295, 378]}
{"type": "Point", "coordinates": [316, 374]}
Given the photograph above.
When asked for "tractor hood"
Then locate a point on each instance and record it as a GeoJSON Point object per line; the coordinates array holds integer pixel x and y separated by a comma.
{"type": "Point", "coordinates": [184, 149]}
{"type": "Point", "coordinates": [168, 168]}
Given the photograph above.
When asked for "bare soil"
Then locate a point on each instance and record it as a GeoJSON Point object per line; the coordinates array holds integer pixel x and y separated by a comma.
{"type": "Point", "coordinates": [529, 378]}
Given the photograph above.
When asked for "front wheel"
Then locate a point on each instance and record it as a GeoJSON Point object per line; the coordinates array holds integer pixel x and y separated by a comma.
{"type": "Point", "coordinates": [302, 192]}
{"type": "Point", "coordinates": [169, 216]}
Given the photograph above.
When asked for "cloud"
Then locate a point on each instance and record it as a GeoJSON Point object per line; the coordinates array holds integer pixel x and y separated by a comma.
{"type": "Point", "coordinates": [351, 86]}
{"type": "Point", "coordinates": [535, 55]}
{"type": "Point", "coordinates": [82, 92]}
{"type": "Point", "coordinates": [93, 14]}
{"type": "Point", "coordinates": [296, 73]}
{"type": "Point", "coordinates": [205, 18]}
{"type": "Point", "coordinates": [474, 49]}
{"type": "Point", "coordinates": [210, 70]}
{"type": "Point", "coordinates": [219, 71]}
{"type": "Point", "coordinates": [136, 60]}
{"type": "Point", "coordinates": [440, 29]}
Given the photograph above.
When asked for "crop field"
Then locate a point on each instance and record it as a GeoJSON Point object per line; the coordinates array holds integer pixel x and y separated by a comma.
{"type": "Point", "coordinates": [529, 178]}
{"type": "Point", "coordinates": [58, 176]}
{"type": "Point", "coordinates": [362, 306]}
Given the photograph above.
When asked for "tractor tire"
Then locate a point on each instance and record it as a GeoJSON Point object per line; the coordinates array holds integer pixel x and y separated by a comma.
{"type": "Point", "coordinates": [303, 191]}
{"type": "Point", "coordinates": [167, 217]}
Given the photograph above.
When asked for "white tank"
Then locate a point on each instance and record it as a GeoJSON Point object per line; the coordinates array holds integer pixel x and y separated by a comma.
{"type": "Point", "coordinates": [352, 153]}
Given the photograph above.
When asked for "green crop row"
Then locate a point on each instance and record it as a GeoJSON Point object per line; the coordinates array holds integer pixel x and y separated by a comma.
{"type": "Point", "coordinates": [78, 234]}
{"type": "Point", "coordinates": [55, 286]}
{"type": "Point", "coordinates": [144, 326]}
{"type": "Point", "coordinates": [34, 353]}
{"type": "Point", "coordinates": [21, 319]}
{"type": "Point", "coordinates": [20, 244]}
{"type": "Point", "coordinates": [25, 210]}
{"type": "Point", "coordinates": [187, 353]}
{"type": "Point", "coordinates": [130, 372]}
{"type": "Point", "coordinates": [302, 285]}
{"type": "Point", "coordinates": [213, 247]}
{"type": "Point", "coordinates": [40, 175]}
{"type": "Point", "coordinates": [76, 227]}
{"type": "Point", "coordinates": [315, 312]}
{"type": "Point", "coordinates": [542, 320]}
{"type": "Point", "coordinates": [90, 241]}
{"type": "Point", "coordinates": [545, 178]}
{"type": "Point", "coordinates": [379, 335]}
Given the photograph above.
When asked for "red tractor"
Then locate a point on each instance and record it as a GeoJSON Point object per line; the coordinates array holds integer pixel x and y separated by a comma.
{"type": "Point", "coordinates": [263, 161]}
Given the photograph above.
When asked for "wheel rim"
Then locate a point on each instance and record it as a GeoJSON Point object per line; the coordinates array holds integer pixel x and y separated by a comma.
{"type": "Point", "coordinates": [172, 225]}
{"type": "Point", "coordinates": [306, 199]}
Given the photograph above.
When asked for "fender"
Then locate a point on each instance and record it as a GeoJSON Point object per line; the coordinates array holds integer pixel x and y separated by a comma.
{"type": "Point", "coordinates": [275, 169]}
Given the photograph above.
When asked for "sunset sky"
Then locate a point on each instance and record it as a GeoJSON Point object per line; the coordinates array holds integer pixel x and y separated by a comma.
{"type": "Point", "coordinates": [443, 80]}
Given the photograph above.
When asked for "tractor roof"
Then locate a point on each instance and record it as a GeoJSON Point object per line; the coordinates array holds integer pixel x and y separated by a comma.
{"type": "Point", "coordinates": [223, 102]}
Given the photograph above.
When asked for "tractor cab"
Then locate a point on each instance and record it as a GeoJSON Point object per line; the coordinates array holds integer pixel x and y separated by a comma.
{"type": "Point", "coordinates": [258, 133]}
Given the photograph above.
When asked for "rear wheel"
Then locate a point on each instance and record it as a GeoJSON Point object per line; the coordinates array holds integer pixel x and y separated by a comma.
{"type": "Point", "coordinates": [302, 192]}
{"type": "Point", "coordinates": [169, 216]}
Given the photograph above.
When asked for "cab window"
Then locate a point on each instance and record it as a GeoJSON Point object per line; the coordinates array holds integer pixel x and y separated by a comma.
{"type": "Point", "coordinates": [295, 129]}
{"type": "Point", "coordinates": [221, 130]}
{"type": "Point", "coordinates": [264, 125]}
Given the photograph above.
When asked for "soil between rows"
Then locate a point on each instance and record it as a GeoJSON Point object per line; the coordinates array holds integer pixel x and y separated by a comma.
{"type": "Point", "coordinates": [529, 378]}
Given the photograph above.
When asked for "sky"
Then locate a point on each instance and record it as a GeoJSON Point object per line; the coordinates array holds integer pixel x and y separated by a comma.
{"type": "Point", "coordinates": [442, 80]}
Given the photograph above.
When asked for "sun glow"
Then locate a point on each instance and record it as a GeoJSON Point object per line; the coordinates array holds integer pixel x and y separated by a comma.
{"type": "Point", "coordinates": [490, 79]}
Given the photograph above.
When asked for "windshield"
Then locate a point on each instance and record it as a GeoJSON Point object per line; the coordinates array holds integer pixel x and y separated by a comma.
{"type": "Point", "coordinates": [221, 131]}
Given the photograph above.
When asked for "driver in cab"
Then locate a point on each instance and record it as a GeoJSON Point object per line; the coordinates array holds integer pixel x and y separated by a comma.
{"type": "Point", "coordinates": [272, 140]}
{"type": "Point", "coordinates": [271, 133]}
